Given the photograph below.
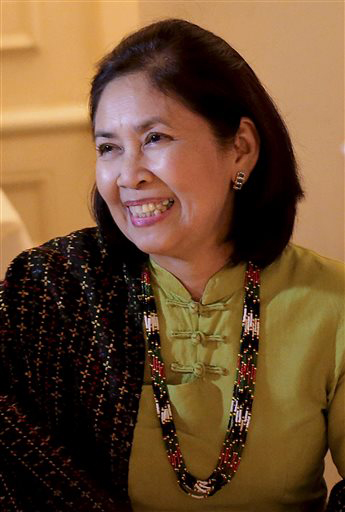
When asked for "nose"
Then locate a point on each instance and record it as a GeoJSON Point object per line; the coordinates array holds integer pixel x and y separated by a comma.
{"type": "Point", "coordinates": [133, 171]}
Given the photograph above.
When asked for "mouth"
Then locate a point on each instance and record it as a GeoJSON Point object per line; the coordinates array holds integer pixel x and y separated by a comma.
{"type": "Point", "coordinates": [149, 209]}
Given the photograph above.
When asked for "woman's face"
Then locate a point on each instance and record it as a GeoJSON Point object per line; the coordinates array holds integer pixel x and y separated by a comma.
{"type": "Point", "coordinates": [160, 170]}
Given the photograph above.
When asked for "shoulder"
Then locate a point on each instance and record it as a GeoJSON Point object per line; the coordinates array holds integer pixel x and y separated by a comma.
{"type": "Point", "coordinates": [316, 271]}
{"type": "Point", "coordinates": [83, 242]}
{"type": "Point", "coordinates": [298, 266]}
{"type": "Point", "coordinates": [60, 272]}
{"type": "Point", "coordinates": [301, 275]}
{"type": "Point", "coordinates": [303, 259]}
{"type": "Point", "coordinates": [73, 253]}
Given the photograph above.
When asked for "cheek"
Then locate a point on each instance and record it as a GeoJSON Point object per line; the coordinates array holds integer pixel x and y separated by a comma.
{"type": "Point", "coordinates": [106, 183]}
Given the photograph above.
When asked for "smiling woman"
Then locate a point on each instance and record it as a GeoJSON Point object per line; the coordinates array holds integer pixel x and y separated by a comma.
{"type": "Point", "coordinates": [132, 375]}
{"type": "Point", "coordinates": [151, 170]}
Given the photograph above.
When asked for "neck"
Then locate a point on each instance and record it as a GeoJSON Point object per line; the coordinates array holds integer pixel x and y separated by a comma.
{"type": "Point", "coordinates": [194, 273]}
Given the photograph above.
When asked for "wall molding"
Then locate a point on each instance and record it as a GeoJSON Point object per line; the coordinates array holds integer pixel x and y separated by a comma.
{"type": "Point", "coordinates": [31, 187]}
{"type": "Point", "coordinates": [17, 41]}
{"type": "Point", "coordinates": [26, 36]}
{"type": "Point", "coordinates": [47, 118]}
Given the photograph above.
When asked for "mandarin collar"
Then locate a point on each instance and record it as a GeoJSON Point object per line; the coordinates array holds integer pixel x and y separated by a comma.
{"type": "Point", "coordinates": [220, 287]}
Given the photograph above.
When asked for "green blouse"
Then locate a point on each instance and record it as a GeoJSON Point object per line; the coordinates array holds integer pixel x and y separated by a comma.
{"type": "Point", "coordinates": [299, 404]}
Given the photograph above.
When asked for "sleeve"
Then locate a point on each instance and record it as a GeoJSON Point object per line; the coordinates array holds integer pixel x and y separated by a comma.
{"type": "Point", "coordinates": [336, 424]}
{"type": "Point", "coordinates": [336, 409]}
{"type": "Point", "coordinates": [37, 472]}
{"type": "Point", "coordinates": [336, 502]}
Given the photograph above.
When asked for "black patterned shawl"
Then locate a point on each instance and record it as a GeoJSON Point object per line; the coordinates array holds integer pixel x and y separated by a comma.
{"type": "Point", "coordinates": [71, 369]}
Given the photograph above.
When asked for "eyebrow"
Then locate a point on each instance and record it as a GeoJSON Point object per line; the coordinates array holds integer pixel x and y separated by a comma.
{"type": "Point", "coordinates": [142, 127]}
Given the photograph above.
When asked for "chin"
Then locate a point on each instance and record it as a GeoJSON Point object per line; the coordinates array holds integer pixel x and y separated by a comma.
{"type": "Point", "coordinates": [152, 247]}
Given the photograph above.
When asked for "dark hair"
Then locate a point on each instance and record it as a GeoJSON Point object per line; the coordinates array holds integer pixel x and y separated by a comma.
{"type": "Point", "coordinates": [213, 80]}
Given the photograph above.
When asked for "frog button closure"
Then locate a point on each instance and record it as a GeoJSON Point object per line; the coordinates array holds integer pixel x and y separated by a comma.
{"type": "Point", "coordinates": [197, 337]}
{"type": "Point", "coordinates": [199, 370]}
{"type": "Point", "coordinates": [194, 306]}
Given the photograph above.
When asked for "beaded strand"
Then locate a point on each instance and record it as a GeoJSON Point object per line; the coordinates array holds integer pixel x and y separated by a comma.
{"type": "Point", "coordinates": [243, 392]}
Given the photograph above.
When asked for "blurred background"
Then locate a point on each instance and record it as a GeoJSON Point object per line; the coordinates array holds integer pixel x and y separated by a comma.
{"type": "Point", "coordinates": [48, 55]}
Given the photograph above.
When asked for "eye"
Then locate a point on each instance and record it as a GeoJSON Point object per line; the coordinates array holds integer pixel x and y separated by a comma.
{"type": "Point", "coordinates": [106, 148]}
{"type": "Point", "coordinates": [155, 137]}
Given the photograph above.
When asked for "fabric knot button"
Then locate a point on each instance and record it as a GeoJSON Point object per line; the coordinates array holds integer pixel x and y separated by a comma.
{"type": "Point", "coordinates": [199, 370]}
{"type": "Point", "coordinates": [194, 307]}
{"type": "Point", "coordinates": [196, 338]}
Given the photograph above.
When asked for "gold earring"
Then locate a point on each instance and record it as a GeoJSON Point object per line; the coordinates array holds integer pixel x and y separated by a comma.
{"type": "Point", "coordinates": [239, 180]}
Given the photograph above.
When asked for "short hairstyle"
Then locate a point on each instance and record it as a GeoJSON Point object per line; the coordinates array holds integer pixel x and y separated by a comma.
{"type": "Point", "coordinates": [209, 77]}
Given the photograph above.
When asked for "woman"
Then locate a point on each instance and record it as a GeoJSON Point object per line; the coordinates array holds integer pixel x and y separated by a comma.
{"type": "Point", "coordinates": [132, 371]}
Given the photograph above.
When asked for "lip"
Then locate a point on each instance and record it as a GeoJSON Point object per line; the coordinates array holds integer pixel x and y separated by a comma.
{"type": "Point", "coordinates": [141, 222]}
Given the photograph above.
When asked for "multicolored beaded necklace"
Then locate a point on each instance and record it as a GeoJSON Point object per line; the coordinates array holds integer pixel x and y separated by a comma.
{"type": "Point", "coordinates": [243, 393]}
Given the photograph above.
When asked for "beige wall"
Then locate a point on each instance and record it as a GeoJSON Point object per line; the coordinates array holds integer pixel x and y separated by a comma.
{"type": "Point", "coordinates": [48, 51]}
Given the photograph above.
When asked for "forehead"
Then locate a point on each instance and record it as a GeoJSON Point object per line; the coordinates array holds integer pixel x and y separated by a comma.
{"type": "Point", "coordinates": [131, 99]}
{"type": "Point", "coordinates": [131, 96]}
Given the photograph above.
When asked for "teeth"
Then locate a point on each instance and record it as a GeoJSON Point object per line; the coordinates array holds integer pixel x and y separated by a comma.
{"type": "Point", "coordinates": [149, 209]}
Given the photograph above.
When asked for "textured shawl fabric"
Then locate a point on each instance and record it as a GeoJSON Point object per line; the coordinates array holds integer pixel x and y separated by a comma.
{"type": "Point", "coordinates": [73, 350]}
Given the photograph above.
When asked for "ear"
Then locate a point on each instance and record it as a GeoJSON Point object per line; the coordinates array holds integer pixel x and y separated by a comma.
{"type": "Point", "coordinates": [246, 146]}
